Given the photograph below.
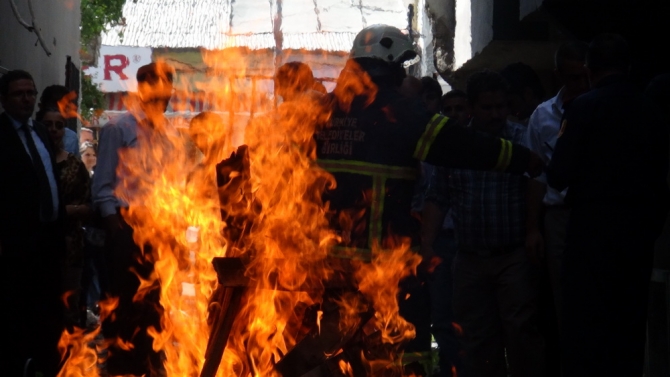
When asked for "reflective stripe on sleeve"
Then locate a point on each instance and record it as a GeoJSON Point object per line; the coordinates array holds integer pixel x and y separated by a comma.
{"type": "Point", "coordinates": [505, 156]}
{"type": "Point", "coordinates": [426, 140]}
{"type": "Point", "coordinates": [368, 168]}
{"type": "Point", "coordinates": [376, 210]}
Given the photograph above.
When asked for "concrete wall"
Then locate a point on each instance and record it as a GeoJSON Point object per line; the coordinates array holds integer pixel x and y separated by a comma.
{"type": "Point", "coordinates": [481, 23]}
{"type": "Point", "coordinates": [424, 27]}
{"type": "Point", "coordinates": [528, 6]}
{"type": "Point", "coordinates": [474, 26]}
{"type": "Point", "coordinates": [58, 21]}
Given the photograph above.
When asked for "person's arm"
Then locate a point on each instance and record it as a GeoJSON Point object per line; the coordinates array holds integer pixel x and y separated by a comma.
{"type": "Point", "coordinates": [569, 149]}
{"type": "Point", "coordinates": [445, 144]}
{"type": "Point", "coordinates": [432, 217]}
{"type": "Point", "coordinates": [534, 210]}
{"type": "Point", "coordinates": [82, 210]}
{"type": "Point", "coordinates": [104, 179]}
{"type": "Point", "coordinates": [537, 189]}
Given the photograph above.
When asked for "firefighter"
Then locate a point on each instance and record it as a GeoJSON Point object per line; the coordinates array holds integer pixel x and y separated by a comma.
{"type": "Point", "coordinates": [372, 144]}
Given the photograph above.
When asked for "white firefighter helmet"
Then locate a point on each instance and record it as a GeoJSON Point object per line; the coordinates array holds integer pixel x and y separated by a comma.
{"type": "Point", "coordinates": [383, 42]}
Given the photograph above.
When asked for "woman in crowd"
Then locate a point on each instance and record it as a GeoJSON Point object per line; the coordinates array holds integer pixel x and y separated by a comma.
{"type": "Point", "coordinates": [75, 193]}
{"type": "Point", "coordinates": [89, 156]}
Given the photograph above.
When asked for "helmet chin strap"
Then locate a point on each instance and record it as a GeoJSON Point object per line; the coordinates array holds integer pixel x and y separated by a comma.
{"type": "Point", "coordinates": [381, 72]}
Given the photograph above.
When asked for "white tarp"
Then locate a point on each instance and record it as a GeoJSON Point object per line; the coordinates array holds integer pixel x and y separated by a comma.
{"type": "Point", "coordinates": [328, 25]}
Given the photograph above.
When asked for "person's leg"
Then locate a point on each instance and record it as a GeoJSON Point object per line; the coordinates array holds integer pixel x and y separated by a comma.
{"type": "Point", "coordinates": [476, 311]}
{"type": "Point", "coordinates": [549, 300]}
{"type": "Point", "coordinates": [45, 312]}
{"type": "Point", "coordinates": [626, 277]}
{"type": "Point", "coordinates": [15, 326]}
{"type": "Point", "coordinates": [44, 308]}
{"type": "Point", "coordinates": [516, 293]}
{"type": "Point", "coordinates": [442, 316]}
{"type": "Point", "coordinates": [581, 314]}
{"type": "Point", "coordinates": [414, 306]}
{"type": "Point", "coordinates": [131, 318]}
{"type": "Point", "coordinates": [605, 278]}
{"type": "Point", "coordinates": [71, 280]}
{"type": "Point", "coordinates": [555, 231]}
{"type": "Point", "coordinates": [91, 292]}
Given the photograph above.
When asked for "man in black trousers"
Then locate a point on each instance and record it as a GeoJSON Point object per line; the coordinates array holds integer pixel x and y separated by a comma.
{"type": "Point", "coordinates": [32, 244]}
{"type": "Point", "coordinates": [612, 155]}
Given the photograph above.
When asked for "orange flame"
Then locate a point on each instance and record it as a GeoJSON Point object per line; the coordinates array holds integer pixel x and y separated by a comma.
{"type": "Point", "coordinates": [78, 349]}
{"type": "Point", "coordinates": [379, 282]}
{"type": "Point", "coordinates": [345, 368]}
{"type": "Point", "coordinates": [68, 108]}
{"type": "Point", "coordinates": [175, 207]}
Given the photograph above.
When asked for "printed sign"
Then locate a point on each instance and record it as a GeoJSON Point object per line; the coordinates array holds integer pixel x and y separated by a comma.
{"type": "Point", "coordinates": [117, 66]}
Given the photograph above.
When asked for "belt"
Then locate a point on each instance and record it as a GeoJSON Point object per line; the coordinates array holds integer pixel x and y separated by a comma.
{"type": "Point", "coordinates": [489, 251]}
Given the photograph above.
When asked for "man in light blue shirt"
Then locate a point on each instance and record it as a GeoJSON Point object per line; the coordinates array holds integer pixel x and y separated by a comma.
{"type": "Point", "coordinates": [125, 257]}
{"type": "Point", "coordinates": [545, 204]}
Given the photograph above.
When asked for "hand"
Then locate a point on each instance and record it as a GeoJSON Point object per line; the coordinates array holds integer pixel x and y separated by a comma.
{"type": "Point", "coordinates": [535, 246]}
{"type": "Point", "coordinates": [112, 224]}
{"type": "Point", "coordinates": [535, 165]}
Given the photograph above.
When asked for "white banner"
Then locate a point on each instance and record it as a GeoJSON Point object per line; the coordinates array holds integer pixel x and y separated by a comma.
{"type": "Point", "coordinates": [117, 66]}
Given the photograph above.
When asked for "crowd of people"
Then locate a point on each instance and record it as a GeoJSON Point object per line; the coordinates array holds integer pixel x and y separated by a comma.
{"type": "Point", "coordinates": [550, 275]}
{"type": "Point", "coordinates": [46, 201]}
{"type": "Point", "coordinates": [535, 217]}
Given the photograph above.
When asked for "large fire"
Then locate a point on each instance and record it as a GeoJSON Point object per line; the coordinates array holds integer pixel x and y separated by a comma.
{"type": "Point", "coordinates": [276, 222]}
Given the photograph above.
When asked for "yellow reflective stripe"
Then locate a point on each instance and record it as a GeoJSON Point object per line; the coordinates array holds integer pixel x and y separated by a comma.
{"type": "Point", "coordinates": [409, 357]}
{"type": "Point", "coordinates": [376, 211]}
{"type": "Point", "coordinates": [505, 156]}
{"type": "Point", "coordinates": [501, 155]}
{"type": "Point", "coordinates": [423, 140]}
{"type": "Point", "coordinates": [344, 252]}
{"type": "Point", "coordinates": [367, 168]}
{"type": "Point", "coordinates": [426, 359]}
{"type": "Point", "coordinates": [426, 140]}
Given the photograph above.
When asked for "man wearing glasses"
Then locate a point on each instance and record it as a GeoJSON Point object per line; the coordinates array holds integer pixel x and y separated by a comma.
{"type": "Point", "coordinates": [32, 244]}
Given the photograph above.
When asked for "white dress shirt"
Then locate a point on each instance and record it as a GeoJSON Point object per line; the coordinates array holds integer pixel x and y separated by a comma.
{"type": "Point", "coordinates": [44, 156]}
{"type": "Point", "coordinates": [541, 135]}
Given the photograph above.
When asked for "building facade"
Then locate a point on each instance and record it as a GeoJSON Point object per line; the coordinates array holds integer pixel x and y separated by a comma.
{"type": "Point", "coordinates": [52, 54]}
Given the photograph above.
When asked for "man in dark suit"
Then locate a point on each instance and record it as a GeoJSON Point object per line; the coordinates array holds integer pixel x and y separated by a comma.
{"type": "Point", "coordinates": [612, 155]}
{"type": "Point", "coordinates": [32, 244]}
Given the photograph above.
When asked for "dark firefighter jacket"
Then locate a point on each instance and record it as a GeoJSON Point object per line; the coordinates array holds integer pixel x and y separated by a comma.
{"type": "Point", "coordinates": [373, 151]}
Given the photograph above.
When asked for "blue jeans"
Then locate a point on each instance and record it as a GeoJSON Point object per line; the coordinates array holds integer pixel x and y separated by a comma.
{"type": "Point", "coordinates": [441, 296]}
